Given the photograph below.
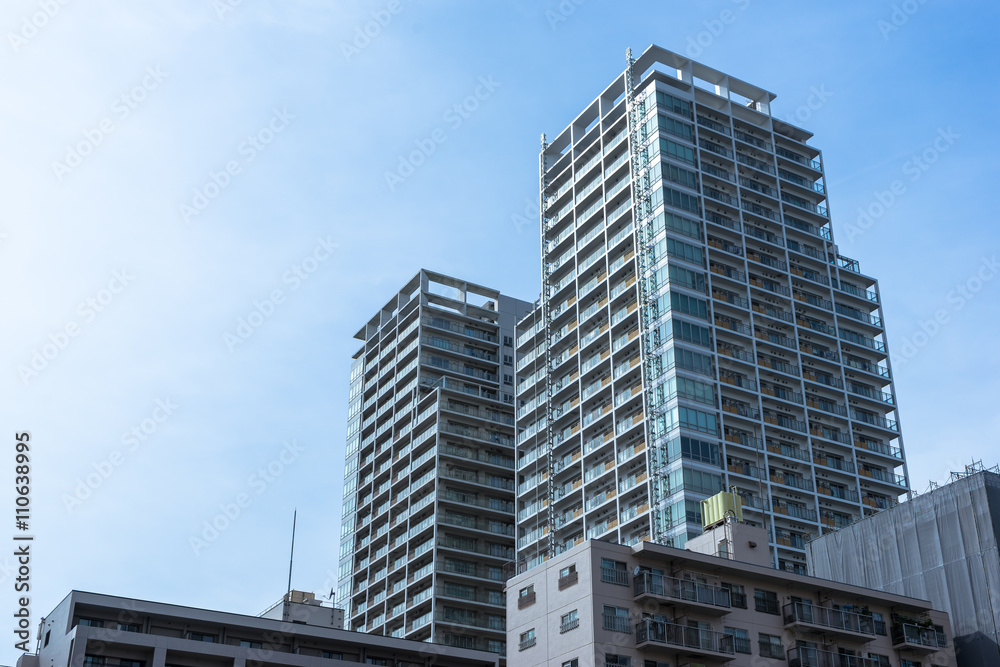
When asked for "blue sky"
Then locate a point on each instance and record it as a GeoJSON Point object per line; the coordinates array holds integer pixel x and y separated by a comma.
{"type": "Point", "coordinates": [173, 168]}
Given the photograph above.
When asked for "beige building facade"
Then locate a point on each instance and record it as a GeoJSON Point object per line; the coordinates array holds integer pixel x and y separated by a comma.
{"type": "Point", "coordinates": [609, 605]}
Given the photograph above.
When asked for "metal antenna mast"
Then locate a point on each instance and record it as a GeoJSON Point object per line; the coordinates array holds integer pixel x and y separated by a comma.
{"type": "Point", "coordinates": [291, 557]}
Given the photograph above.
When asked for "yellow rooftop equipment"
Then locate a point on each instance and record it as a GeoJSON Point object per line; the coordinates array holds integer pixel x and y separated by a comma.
{"type": "Point", "coordinates": [714, 510]}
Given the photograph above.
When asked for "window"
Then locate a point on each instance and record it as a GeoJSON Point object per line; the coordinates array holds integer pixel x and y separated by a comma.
{"type": "Point", "coordinates": [508, 341]}
{"type": "Point", "coordinates": [377, 661]}
{"type": "Point", "coordinates": [567, 576]}
{"type": "Point", "coordinates": [680, 176]}
{"type": "Point", "coordinates": [575, 662]}
{"type": "Point", "coordinates": [569, 621]}
{"type": "Point", "coordinates": [655, 663]}
{"type": "Point", "coordinates": [741, 640]}
{"type": "Point", "coordinates": [201, 637]}
{"type": "Point", "coordinates": [614, 572]}
{"type": "Point", "coordinates": [94, 661]}
{"type": "Point", "coordinates": [90, 622]}
{"type": "Point", "coordinates": [677, 151]}
{"type": "Point", "coordinates": [245, 643]}
{"type": "Point", "coordinates": [508, 359]}
{"type": "Point", "coordinates": [129, 627]}
{"type": "Point", "coordinates": [131, 663]}
{"type": "Point", "coordinates": [770, 646]}
{"type": "Point", "coordinates": [766, 601]}
{"type": "Point", "coordinates": [527, 640]}
{"type": "Point", "coordinates": [880, 660]}
{"type": "Point", "coordinates": [909, 663]}
{"type": "Point", "coordinates": [616, 619]}
{"type": "Point", "coordinates": [47, 633]}
{"type": "Point", "coordinates": [737, 597]}
{"type": "Point", "coordinates": [332, 655]}
{"type": "Point", "coordinates": [526, 596]}
{"type": "Point", "coordinates": [612, 660]}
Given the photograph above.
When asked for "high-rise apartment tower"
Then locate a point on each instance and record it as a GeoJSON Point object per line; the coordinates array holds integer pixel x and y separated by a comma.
{"type": "Point", "coordinates": [428, 517]}
{"type": "Point", "coordinates": [698, 328]}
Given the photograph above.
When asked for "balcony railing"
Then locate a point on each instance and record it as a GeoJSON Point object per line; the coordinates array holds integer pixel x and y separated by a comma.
{"type": "Point", "coordinates": [614, 623]}
{"type": "Point", "coordinates": [804, 656]}
{"type": "Point", "coordinates": [648, 583]}
{"type": "Point", "coordinates": [615, 576]}
{"type": "Point", "coordinates": [836, 619]}
{"type": "Point", "coordinates": [908, 633]}
{"type": "Point", "coordinates": [671, 634]}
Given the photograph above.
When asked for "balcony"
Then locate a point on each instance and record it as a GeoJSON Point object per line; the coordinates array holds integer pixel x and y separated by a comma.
{"type": "Point", "coordinates": [696, 595]}
{"type": "Point", "coordinates": [611, 575]}
{"type": "Point", "coordinates": [813, 618]}
{"type": "Point", "coordinates": [917, 638]}
{"type": "Point", "coordinates": [613, 623]}
{"type": "Point", "coordinates": [811, 657]}
{"type": "Point", "coordinates": [702, 643]}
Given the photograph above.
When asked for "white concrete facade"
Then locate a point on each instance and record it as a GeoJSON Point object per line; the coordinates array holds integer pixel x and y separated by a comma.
{"type": "Point", "coordinates": [428, 519]}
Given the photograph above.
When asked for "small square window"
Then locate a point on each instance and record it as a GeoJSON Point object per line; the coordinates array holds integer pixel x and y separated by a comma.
{"type": "Point", "coordinates": [526, 596]}
{"type": "Point", "coordinates": [570, 621]}
{"type": "Point", "coordinates": [567, 576]}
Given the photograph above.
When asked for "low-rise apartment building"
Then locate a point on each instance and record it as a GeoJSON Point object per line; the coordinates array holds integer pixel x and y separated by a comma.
{"type": "Point", "coordinates": [609, 605]}
{"type": "Point", "coordinates": [93, 630]}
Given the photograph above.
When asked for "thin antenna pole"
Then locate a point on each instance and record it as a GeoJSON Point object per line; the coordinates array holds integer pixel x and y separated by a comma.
{"type": "Point", "coordinates": [291, 557]}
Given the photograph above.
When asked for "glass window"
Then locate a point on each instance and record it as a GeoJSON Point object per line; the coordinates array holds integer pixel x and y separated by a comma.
{"type": "Point", "coordinates": [741, 640]}
{"type": "Point", "coordinates": [770, 646]}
